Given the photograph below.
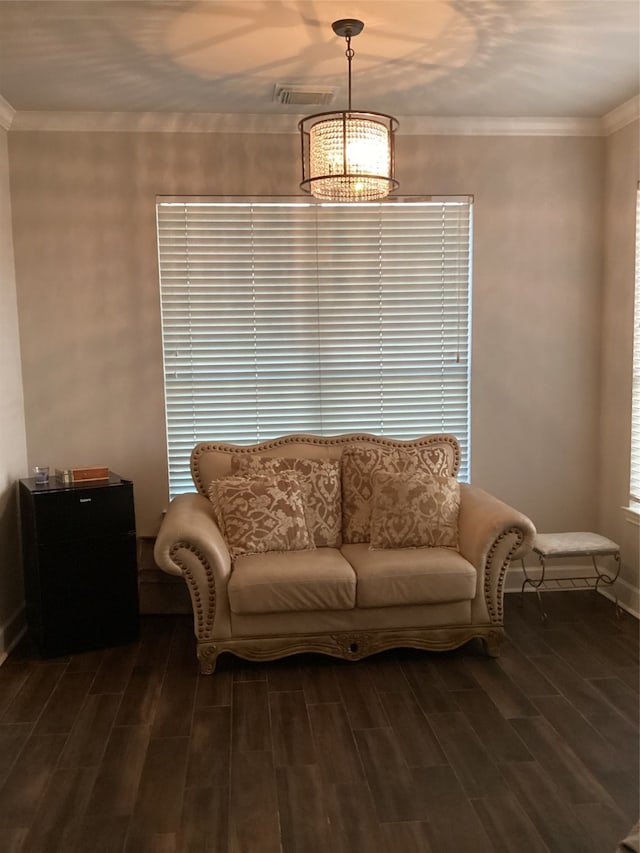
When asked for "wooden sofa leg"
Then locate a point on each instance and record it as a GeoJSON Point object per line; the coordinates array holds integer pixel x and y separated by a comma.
{"type": "Point", "coordinates": [208, 656]}
{"type": "Point", "coordinates": [492, 642]}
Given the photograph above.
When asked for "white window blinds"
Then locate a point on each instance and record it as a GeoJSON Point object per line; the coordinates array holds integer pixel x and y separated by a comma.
{"type": "Point", "coordinates": [635, 402]}
{"type": "Point", "coordinates": [290, 316]}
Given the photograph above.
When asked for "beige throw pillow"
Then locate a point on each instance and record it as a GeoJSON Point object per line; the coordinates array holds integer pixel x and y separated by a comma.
{"type": "Point", "coordinates": [360, 462]}
{"type": "Point", "coordinates": [320, 481]}
{"type": "Point", "coordinates": [261, 512]}
{"type": "Point", "coordinates": [414, 511]}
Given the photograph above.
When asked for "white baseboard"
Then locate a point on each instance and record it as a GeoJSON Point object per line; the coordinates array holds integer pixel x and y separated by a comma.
{"type": "Point", "coordinates": [11, 632]}
{"type": "Point", "coordinates": [560, 577]}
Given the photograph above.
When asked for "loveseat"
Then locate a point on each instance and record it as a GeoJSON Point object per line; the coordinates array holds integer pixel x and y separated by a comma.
{"type": "Point", "coordinates": [343, 545]}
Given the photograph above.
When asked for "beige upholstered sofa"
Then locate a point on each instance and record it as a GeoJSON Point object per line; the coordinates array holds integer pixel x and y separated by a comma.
{"type": "Point", "coordinates": [344, 545]}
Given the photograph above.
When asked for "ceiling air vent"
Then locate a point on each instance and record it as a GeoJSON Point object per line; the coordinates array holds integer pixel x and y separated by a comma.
{"type": "Point", "coordinates": [286, 93]}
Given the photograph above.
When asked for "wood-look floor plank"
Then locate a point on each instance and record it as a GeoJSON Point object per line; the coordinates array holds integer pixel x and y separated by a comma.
{"type": "Point", "coordinates": [87, 742]}
{"type": "Point", "coordinates": [254, 821]}
{"type": "Point", "coordinates": [453, 825]}
{"type": "Point", "coordinates": [582, 695]}
{"type": "Point", "coordinates": [353, 823]}
{"type": "Point", "coordinates": [412, 730]}
{"type": "Point", "coordinates": [304, 826]}
{"type": "Point", "coordinates": [115, 669]}
{"type": "Point", "coordinates": [319, 681]}
{"type": "Point", "coordinates": [507, 824]}
{"type": "Point", "coordinates": [291, 737]}
{"type": "Point", "coordinates": [491, 727]}
{"type": "Point", "coordinates": [432, 695]}
{"type": "Point", "coordinates": [456, 828]}
{"type": "Point", "coordinates": [28, 779]}
{"type": "Point", "coordinates": [30, 701]}
{"type": "Point", "coordinates": [250, 727]}
{"type": "Point", "coordinates": [524, 673]}
{"type": "Point", "coordinates": [12, 840]}
{"type": "Point", "coordinates": [116, 787]}
{"type": "Point", "coordinates": [216, 689]}
{"type": "Point", "coordinates": [452, 669]}
{"type": "Point", "coordinates": [406, 837]}
{"type": "Point", "coordinates": [12, 740]}
{"type": "Point", "coordinates": [601, 824]}
{"type": "Point", "coordinates": [12, 679]}
{"type": "Point", "coordinates": [360, 697]}
{"type": "Point", "coordinates": [505, 694]}
{"type": "Point", "coordinates": [568, 644]}
{"type": "Point", "coordinates": [174, 705]}
{"type": "Point", "coordinates": [151, 842]}
{"type": "Point", "coordinates": [621, 697]}
{"type": "Point", "coordinates": [336, 752]}
{"type": "Point", "coordinates": [473, 764]}
{"type": "Point", "coordinates": [392, 783]}
{"type": "Point", "coordinates": [57, 821]}
{"type": "Point", "coordinates": [140, 697]}
{"type": "Point", "coordinates": [614, 651]}
{"type": "Point", "coordinates": [284, 675]}
{"type": "Point", "coordinates": [561, 763]}
{"type": "Point", "coordinates": [205, 821]}
{"type": "Point", "coordinates": [386, 670]}
{"type": "Point", "coordinates": [552, 817]}
{"type": "Point", "coordinates": [61, 711]}
{"type": "Point", "coordinates": [101, 834]}
{"type": "Point", "coordinates": [158, 807]}
{"type": "Point", "coordinates": [210, 748]}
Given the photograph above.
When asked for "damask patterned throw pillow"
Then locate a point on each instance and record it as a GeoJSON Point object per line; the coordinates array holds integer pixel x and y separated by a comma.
{"type": "Point", "coordinates": [414, 511]}
{"type": "Point", "coordinates": [359, 464]}
{"type": "Point", "coordinates": [261, 512]}
{"type": "Point", "coordinates": [320, 481]}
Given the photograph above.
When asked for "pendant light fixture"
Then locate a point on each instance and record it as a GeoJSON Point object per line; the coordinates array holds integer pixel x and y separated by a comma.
{"type": "Point", "coordinates": [349, 155]}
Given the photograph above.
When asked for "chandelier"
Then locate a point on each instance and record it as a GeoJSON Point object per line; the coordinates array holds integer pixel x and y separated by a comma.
{"type": "Point", "coordinates": [349, 155]}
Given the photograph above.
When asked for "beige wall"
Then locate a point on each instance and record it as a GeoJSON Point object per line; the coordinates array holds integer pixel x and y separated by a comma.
{"type": "Point", "coordinates": [622, 176]}
{"type": "Point", "coordinates": [13, 451]}
{"type": "Point", "coordinates": [84, 232]}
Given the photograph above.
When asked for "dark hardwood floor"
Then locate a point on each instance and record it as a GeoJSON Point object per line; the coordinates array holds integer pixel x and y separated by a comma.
{"type": "Point", "coordinates": [128, 749]}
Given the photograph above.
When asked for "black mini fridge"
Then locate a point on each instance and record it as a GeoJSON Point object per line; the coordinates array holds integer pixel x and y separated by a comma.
{"type": "Point", "coordinates": [80, 567]}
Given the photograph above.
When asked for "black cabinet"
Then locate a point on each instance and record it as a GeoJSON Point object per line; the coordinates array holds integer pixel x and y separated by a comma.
{"type": "Point", "coordinates": [80, 568]}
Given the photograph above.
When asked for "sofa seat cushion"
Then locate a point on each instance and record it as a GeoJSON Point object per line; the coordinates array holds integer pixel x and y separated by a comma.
{"type": "Point", "coordinates": [410, 575]}
{"type": "Point", "coordinates": [320, 579]}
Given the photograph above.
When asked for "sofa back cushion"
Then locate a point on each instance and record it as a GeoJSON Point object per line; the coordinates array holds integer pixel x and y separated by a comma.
{"type": "Point", "coordinates": [320, 481]}
{"type": "Point", "coordinates": [360, 464]}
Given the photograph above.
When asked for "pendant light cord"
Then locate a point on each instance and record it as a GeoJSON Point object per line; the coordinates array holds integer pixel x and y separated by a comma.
{"type": "Point", "coordinates": [349, 53]}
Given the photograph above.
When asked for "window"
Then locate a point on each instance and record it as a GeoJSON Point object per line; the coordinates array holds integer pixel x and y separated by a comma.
{"type": "Point", "coordinates": [634, 489]}
{"type": "Point", "coordinates": [292, 316]}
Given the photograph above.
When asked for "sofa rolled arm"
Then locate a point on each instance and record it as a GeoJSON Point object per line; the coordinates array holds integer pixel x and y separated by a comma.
{"type": "Point", "coordinates": [190, 544]}
{"type": "Point", "coordinates": [490, 533]}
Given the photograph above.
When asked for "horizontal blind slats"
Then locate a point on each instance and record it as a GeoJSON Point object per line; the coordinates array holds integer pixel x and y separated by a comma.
{"type": "Point", "coordinates": [316, 318]}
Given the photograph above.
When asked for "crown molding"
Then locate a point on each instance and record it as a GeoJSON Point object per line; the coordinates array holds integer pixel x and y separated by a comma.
{"type": "Point", "coordinates": [150, 122]}
{"type": "Point", "coordinates": [500, 126]}
{"type": "Point", "coordinates": [621, 116]}
{"type": "Point", "coordinates": [258, 123]}
{"type": "Point", "coordinates": [7, 114]}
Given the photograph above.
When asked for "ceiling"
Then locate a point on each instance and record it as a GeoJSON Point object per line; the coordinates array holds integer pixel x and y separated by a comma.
{"type": "Point", "coordinates": [552, 58]}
